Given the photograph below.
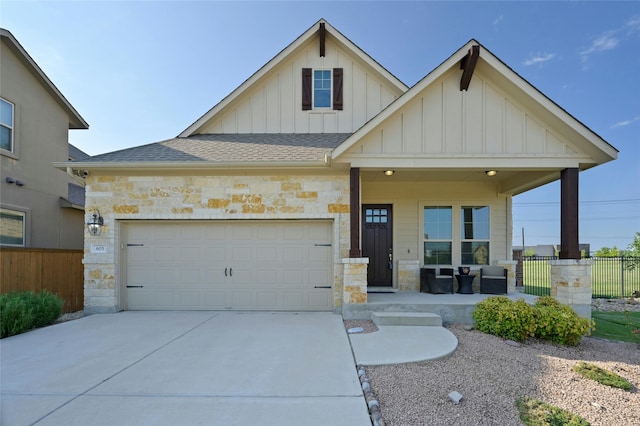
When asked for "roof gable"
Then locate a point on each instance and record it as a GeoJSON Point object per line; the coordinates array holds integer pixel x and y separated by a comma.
{"type": "Point", "coordinates": [269, 101]}
{"type": "Point", "coordinates": [500, 115]}
{"type": "Point", "coordinates": [75, 120]}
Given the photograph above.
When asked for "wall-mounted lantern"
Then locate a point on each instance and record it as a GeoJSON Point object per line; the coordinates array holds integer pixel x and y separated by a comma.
{"type": "Point", "coordinates": [95, 224]}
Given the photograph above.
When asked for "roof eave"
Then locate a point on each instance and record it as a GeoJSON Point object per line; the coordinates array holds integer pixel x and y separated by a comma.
{"type": "Point", "coordinates": [190, 165]}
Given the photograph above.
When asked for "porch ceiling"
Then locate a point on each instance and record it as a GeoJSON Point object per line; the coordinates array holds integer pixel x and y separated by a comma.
{"type": "Point", "coordinates": [507, 181]}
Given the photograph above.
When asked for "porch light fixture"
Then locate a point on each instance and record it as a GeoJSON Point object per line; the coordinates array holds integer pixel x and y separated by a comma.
{"type": "Point", "coordinates": [491, 172]}
{"type": "Point", "coordinates": [389, 172]}
{"type": "Point", "coordinates": [95, 224]}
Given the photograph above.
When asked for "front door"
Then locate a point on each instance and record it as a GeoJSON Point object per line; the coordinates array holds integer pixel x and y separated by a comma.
{"type": "Point", "coordinates": [377, 243]}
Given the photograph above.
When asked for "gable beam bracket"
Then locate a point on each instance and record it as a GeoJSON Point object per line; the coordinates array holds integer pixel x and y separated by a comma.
{"type": "Point", "coordinates": [323, 33]}
{"type": "Point", "coordinates": [468, 65]}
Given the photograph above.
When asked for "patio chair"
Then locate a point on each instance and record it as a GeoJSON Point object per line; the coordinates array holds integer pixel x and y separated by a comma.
{"type": "Point", "coordinates": [436, 282]}
{"type": "Point", "coordinates": [493, 280]}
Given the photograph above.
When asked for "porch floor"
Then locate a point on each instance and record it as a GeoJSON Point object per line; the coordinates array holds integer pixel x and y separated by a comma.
{"type": "Point", "coordinates": [453, 308]}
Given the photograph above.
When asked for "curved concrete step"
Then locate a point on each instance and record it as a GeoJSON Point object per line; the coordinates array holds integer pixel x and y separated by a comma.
{"type": "Point", "coordinates": [406, 318]}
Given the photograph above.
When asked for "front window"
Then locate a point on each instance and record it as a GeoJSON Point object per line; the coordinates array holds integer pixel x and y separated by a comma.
{"type": "Point", "coordinates": [474, 231]}
{"type": "Point", "coordinates": [438, 225]}
{"type": "Point", "coordinates": [322, 88]}
{"type": "Point", "coordinates": [6, 125]}
{"type": "Point", "coordinates": [12, 227]}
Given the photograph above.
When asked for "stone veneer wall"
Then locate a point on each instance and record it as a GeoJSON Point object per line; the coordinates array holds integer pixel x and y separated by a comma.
{"type": "Point", "coordinates": [355, 280]}
{"type": "Point", "coordinates": [571, 284]}
{"type": "Point", "coordinates": [409, 275]}
{"type": "Point", "coordinates": [204, 198]}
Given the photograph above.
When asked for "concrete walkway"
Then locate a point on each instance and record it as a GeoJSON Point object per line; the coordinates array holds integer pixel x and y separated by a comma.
{"type": "Point", "coordinates": [179, 368]}
{"type": "Point", "coordinates": [394, 344]}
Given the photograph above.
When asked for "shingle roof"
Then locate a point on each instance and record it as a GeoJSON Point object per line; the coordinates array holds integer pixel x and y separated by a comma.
{"type": "Point", "coordinates": [76, 153]}
{"type": "Point", "coordinates": [230, 148]}
{"type": "Point", "coordinates": [76, 194]}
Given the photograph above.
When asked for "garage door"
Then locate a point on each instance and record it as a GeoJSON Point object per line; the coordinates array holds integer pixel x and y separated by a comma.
{"type": "Point", "coordinates": [233, 265]}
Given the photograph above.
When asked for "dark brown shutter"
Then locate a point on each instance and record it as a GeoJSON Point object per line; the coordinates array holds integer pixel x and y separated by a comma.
{"type": "Point", "coordinates": [337, 88]}
{"type": "Point", "coordinates": [306, 89]}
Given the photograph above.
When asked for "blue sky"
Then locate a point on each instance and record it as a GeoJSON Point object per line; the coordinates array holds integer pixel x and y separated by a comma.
{"type": "Point", "coordinates": [143, 71]}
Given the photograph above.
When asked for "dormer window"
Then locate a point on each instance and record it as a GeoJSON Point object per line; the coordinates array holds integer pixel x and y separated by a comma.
{"type": "Point", "coordinates": [322, 89]}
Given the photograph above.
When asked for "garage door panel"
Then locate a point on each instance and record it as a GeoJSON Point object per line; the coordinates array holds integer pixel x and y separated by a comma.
{"type": "Point", "coordinates": [319, 299]}
{"type": "Point", "coordinates": [189, 276]}
{"type": "Point", "coordinates": [294, 298]}
{"type": "Point", "coordinates": [266, 300]}
{"type": "Point", "coordinates": [270, 265]}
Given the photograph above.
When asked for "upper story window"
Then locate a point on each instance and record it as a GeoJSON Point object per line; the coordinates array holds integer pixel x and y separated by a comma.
{"type": "Point", "coordinates": [6, 125]}
{"type": "Point", "coordinates": [322, 89]}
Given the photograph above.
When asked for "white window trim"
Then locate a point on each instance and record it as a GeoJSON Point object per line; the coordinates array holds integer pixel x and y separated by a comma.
{"type": "Point", "coordinates": [313, 90]}
{"type": "Point", "coordinates": [24, 214]}
{"type": "Point", "coordinates": [12, 127]}
{"type": "Point", "coordinates": [456, 237]}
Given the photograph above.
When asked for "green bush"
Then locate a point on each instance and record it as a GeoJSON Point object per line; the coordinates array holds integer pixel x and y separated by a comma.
{"type": "Point", "coordinates": [22, 311]}
{"type": "Point", "coordinates": [503, 317]}
{"type": "Point", "coordinates": [546, 319]}
{"type": "Point", "coordinates": [559, 323]}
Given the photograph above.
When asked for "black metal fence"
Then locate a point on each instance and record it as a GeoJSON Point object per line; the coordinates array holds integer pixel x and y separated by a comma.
{"type": "Point", "coordinates": [611, 277]}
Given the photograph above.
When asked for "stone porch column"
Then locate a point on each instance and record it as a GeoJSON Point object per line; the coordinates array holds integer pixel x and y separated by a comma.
{"type": "Point", "coordinates": [409, 275]}
{"type": "Point", "coordinates": [510, 266]}
{"type": "Point", "coordinates": [355, 280]}
{"type": "Point", "coordinates": [571, 284]}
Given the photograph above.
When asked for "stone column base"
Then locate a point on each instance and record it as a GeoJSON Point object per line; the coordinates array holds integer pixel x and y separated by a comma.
{"type": "Point", "coordinates": [510, 266]}
{"type": "Point", "coordinates": [571, 284]}
{"type": "Point", "coordinates": [408, 275]}
{"type": "Point", "coordinates": [355, 280]}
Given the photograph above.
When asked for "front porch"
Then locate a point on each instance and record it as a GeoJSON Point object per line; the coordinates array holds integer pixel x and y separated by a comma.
{"type": "Point", "coordinates": [453, 308]}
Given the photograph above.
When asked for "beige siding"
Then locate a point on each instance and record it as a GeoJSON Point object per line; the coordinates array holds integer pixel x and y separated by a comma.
{"type": "Point", "coordinates": [409, 198]}
{"type": "Point", "coordinates": [446, 121]}
{"type": "Point", "coordinates": [41, 137]}
{"type": "Point", "coordinates": [273, 104]}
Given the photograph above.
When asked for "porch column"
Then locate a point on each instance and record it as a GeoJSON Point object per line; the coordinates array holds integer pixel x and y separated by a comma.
{"type": "Point", "coordinates": [354, 197]}
{"type": "Point", "coordinates": [571, 284]}
{"type": "Point", "coordinates": [569, 242]}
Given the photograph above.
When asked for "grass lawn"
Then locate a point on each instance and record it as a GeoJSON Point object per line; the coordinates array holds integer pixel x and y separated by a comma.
{"type": "Point", "coordinates": [622, 326]}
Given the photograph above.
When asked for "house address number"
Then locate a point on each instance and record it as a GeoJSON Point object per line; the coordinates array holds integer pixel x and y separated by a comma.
{"type": "Point", "coordinates": [98, 248]}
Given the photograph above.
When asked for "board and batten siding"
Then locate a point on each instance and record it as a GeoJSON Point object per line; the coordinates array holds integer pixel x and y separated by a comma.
{"type": "Point", "coordinates": [409, 199]}
{"type": "Point", "coordinates": [274, 103]}
{"type": "Point", "coordinates": [444, 121]}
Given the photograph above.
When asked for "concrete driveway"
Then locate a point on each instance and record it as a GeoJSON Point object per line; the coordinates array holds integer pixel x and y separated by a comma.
{"type": "Point", "coordinates": [183, 368]}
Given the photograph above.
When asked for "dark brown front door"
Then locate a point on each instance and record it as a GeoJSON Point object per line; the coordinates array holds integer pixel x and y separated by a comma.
{"type": "Point", "coordinates": [377, 243]}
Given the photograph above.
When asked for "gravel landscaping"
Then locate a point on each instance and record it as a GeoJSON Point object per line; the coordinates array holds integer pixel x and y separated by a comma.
{"type": "Point", "coordinates": [492, 373]}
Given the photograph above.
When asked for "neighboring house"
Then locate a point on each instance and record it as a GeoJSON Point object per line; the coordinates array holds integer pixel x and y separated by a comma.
{"type": "Point", "coordinates": [323, 173]}
{"type": "Point", "coordinates": [40, 205]}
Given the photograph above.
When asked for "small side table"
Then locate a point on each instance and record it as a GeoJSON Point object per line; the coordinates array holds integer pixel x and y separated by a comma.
{"type": "Point", "coordinates": [464, 283]}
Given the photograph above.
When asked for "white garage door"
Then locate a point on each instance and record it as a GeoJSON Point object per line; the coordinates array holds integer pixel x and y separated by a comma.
{"type": "Point", "coordinates": [238, 265]}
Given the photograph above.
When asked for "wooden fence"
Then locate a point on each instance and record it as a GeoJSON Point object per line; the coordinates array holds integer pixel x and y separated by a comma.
{"type": "Point", "coordinates": [58, 271]}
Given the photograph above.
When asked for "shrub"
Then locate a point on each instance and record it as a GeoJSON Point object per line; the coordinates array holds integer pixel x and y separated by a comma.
{"type": "Point", "coordinates": [602, 376]}
{"type": "Point", "coordinates": [22, 311]}
{"type": "Point", "coordinates": [547, 319]}
{"type": "Point", "coordinates": [560, 324]}
{"type": "Point", "coordinates": [503, 317]}
{"type": "Point", "coordinates": [534, 412]}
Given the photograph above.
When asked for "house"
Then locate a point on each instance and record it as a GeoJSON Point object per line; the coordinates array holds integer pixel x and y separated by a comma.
{"type": "Point", "coordinates": [323, 174]}
{"type": "Point", "coordinates": [40, 205]}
